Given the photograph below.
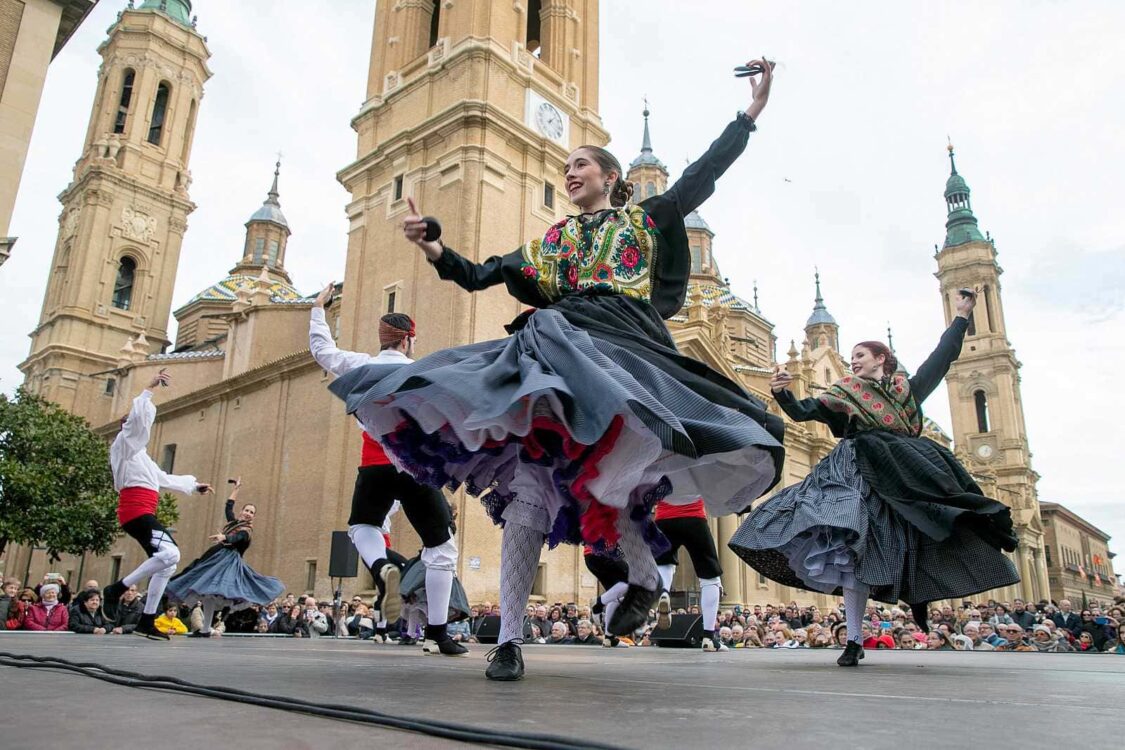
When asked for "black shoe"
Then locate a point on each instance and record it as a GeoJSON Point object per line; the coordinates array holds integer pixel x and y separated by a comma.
{"type": "Point", "coordinates": [147, 628]}
{"type": "Point", "coordinates": [448, 647]}
{"type": "Point", "coordinates": [406, 641]}
{"type": "Point", "coordinates": [920, 616]}
{"type": "Point", "coordinates": [633, 610]}
{"type": "Point", "coordinates": [111, 595]}
{"type": "Point", "coordinates": [199, 634]}
{"type": "Point", "coordinates": [597, 607]}
{"type": "Point", "coordinates": [505, 662]}
{"type": "Point", "coordinates": [853, 652]}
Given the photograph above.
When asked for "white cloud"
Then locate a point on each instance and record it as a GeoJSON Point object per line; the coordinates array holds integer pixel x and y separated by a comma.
{"type": "Point", "coordinates": [857, 124]}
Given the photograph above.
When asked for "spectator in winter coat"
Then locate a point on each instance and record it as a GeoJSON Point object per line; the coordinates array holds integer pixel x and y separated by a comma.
{"type": "Point", "coordinates": [1066, 618]}
{"type": "Point", "coordinates": [86, 615]}
{"type": "Point", "coordinates": [290, 623]}
{"type": "Point", "coordinates": [10, 608]}
{"type": "Point", "coordinates": [1022, 616]}
{"type": "Point", "coordinates": [49, 613]}
{"type": "Point", "coordinates": [1001, 617]}
{"type": "Point", "coordinates": [129, 611]}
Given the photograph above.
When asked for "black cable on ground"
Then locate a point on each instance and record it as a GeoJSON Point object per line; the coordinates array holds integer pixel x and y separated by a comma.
{"type": "Point", "coordinates": [446, 730]}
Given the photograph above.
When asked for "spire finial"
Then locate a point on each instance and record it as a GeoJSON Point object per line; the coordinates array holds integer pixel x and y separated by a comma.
{"type": "Point", "coordinates": [819, 300]}
{"type": "Point", "coordinates": [949, 148]}
{"type": "Point", "coordinates": [890, 337]}
{"type": "Point", "coordinates": [756, 308]}
{"type": "Point", "coordinates": [273, 194]}
{"type": "Point", "coordinates": [646, 142]}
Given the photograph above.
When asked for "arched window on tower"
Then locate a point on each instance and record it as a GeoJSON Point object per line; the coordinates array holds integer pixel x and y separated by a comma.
{"type": "Point", "coordinates": [159, 110]}
{"type": "Point", "coordinates": [533, 36]}
{"type": "Point", "coordinates": [981, 402]}
{"type": "Point", "coordinates": [696, 259]}
{"type": "Point", "coordinates": [123, 102]}
{"type": "Point", "coordinates": [650, 189]}
{"type": "Point", "coordinates": [123, 285]}
{"type": "Point", "coordinates": [435, 20]}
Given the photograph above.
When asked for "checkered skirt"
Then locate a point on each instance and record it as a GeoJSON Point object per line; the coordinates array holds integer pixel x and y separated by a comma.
{"type": "Point", "coordinates": [836, 528]}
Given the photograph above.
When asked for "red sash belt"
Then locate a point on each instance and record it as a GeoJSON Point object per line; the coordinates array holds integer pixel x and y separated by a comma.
{"type": "Point", "coordinates": [133, 502]}
{"type": "Point", "coordinates": [372, 453]}
{"type": "Point", "coordinates": [665, 510]}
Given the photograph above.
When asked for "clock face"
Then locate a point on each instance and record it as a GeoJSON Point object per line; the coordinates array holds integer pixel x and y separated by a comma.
{"type": "Point", "coordinates": [985, 451]}
{"type": "Point", "coordinates": [549, 120]}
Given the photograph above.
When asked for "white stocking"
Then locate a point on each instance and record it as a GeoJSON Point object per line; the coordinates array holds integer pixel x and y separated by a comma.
{"type": "Point", "coordinates": [667, 573]}
{"type": "Point", "coordinates": [709, 589]}
{"type": "Point", "coordinates": [855, 604]}
{"type": "Point", "coordinates": [520, 548]}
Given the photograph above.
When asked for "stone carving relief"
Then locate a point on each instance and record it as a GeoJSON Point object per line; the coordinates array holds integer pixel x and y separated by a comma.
{"type": "Point", "coordinates": [70, 222]}
{"type": "Point", "coordinates": [137, 225]}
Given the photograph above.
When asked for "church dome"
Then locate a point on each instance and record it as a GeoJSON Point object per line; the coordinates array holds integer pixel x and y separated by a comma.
{"type": "Point", "coordinates": [695, 221]}
{"type": "Point", "coordinates": [227, 290]}
{"type": "Point", "coordinates": [178, 10]}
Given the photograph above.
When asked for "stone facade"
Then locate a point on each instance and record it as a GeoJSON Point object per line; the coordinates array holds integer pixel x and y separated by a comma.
{"type": "Point", "coordinates": [31, 33]}
{"type": "Point", "coordinates": [1079, 563]}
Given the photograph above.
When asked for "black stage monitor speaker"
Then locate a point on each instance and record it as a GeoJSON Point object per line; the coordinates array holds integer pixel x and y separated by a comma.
{"type": "Point", "coordinates": [489, 630]}
{"type": "Point", "coordinates": [686, 632]}
{"type": "Point", "coordinates": [344, 562]}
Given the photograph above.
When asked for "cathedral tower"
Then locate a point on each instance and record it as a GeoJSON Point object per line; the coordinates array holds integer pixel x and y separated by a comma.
{"type": "Point", "coordinates": [125, 212]}
{"type": "Point", "coordinates": [472, 108]}
{"type": "Point", "coordinates": [821, 329]}
{"type": "Point", "coordinates": [984, 384]}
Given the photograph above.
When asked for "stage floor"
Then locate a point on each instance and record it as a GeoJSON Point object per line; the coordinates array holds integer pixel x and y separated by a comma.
{"type": "Point", "coordinates": [635, 698]}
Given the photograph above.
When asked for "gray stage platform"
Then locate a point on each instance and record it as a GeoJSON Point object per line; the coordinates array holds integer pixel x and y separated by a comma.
{"type": "Point", "coordinates": [637, 698]}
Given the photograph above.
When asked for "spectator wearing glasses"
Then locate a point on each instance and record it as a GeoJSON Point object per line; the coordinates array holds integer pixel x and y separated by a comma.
{"type": "Point", "coordinates": [1097, 630]}
{"type": "Point", "coordinates": [936, 640]}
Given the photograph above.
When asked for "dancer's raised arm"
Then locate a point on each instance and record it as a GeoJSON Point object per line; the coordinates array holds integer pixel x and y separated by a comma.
{"type": "Point", "coordinates": [450, 266]}
{"type": "Point", "coordinates": [698, 181]}
{"type": "Point", "coordinates": [935, 367]}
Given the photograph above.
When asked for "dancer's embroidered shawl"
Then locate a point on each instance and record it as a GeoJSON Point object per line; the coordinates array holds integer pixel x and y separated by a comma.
{"type": "Point", "coordinates": [876, 405]}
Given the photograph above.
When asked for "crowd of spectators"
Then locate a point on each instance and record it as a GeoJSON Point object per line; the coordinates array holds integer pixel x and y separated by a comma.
{"type": "Point", "coordinates": [992, 626]}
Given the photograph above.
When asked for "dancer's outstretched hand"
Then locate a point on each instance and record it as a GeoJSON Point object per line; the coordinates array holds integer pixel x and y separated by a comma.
{"type": "Point", "coordinates": [162, 379]}
{"type": "Point", "coordinates": [414, 229]}
{"type": "Point", "coordinates": [965, 303]}
{"type": "Point", "coordinates": [204, 489]}
{"type": "Point", "coordinates": [780, 380]}
{"type": "Point", "coordinates": [760, 87]}
{"type": "Point", "coordinates": [325, 295]}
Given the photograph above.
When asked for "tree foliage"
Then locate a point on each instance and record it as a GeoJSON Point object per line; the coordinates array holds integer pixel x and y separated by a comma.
{"type": "Point", "coordinates": [56, 489]}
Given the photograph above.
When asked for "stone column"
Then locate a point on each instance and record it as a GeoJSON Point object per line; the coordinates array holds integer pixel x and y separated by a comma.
{"type": "Point", "coordinates": [732, 577]}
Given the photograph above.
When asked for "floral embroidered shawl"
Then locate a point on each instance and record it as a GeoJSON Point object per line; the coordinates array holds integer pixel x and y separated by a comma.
{"type": "Point", "coordinates": [876, 405]}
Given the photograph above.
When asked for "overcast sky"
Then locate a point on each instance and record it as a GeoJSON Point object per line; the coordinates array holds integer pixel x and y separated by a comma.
{"type": "Point", "coordinates": [846, 171]}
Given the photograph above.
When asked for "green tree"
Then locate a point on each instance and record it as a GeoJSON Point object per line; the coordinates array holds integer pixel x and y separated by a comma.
{"type": "Point", "coordinates": [56, 489]}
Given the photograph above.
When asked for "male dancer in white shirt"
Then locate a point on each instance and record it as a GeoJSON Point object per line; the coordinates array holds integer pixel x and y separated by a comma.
{"type": "Point", "coordinates": [138, 481]}
{"type": "Point", "coordinates": [378, 484]}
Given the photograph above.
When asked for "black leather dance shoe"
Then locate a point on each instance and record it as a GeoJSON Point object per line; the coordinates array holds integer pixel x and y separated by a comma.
{"type": "Point", "coordinates": [853, 652]}
{"type": "Point", "coordinates": [505, 663]}
{"type": "Point", "coordinates": [633, 610]}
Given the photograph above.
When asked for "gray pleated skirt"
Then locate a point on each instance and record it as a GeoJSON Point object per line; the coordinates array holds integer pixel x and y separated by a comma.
{"type": "Point", "coordinates": [224, 579]}
{"type": "Point", "coordinates": [832, 530]}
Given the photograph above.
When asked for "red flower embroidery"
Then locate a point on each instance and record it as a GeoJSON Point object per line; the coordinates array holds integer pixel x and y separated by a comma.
{"type": "Point", "coordinates": [630, 257]}
{"type": "Point", "coordinates": [898, 389]}
{"type": "Point", "coordinates": [572, 276]}
{"type": "Point", "coordinates": [877, 406]}
{"type": "Point", "coordinates": [848, 379]}
{"type": "Point", "coordinates": [552, 235]}
{"type": "Point", "coordinates": [530, 272]}
{"type": "Point", "coordinates": [888, 419]}
{"type": "Point", "coordinates": [648, 222]}
{"type": "Point", "coordinates": [857, 387]}
{"type": "Point", "coordinates": [867, 397]}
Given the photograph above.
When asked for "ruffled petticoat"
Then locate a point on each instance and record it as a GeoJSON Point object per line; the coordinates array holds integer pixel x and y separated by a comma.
{"type": "Point", "coordinates": [563, 431]}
